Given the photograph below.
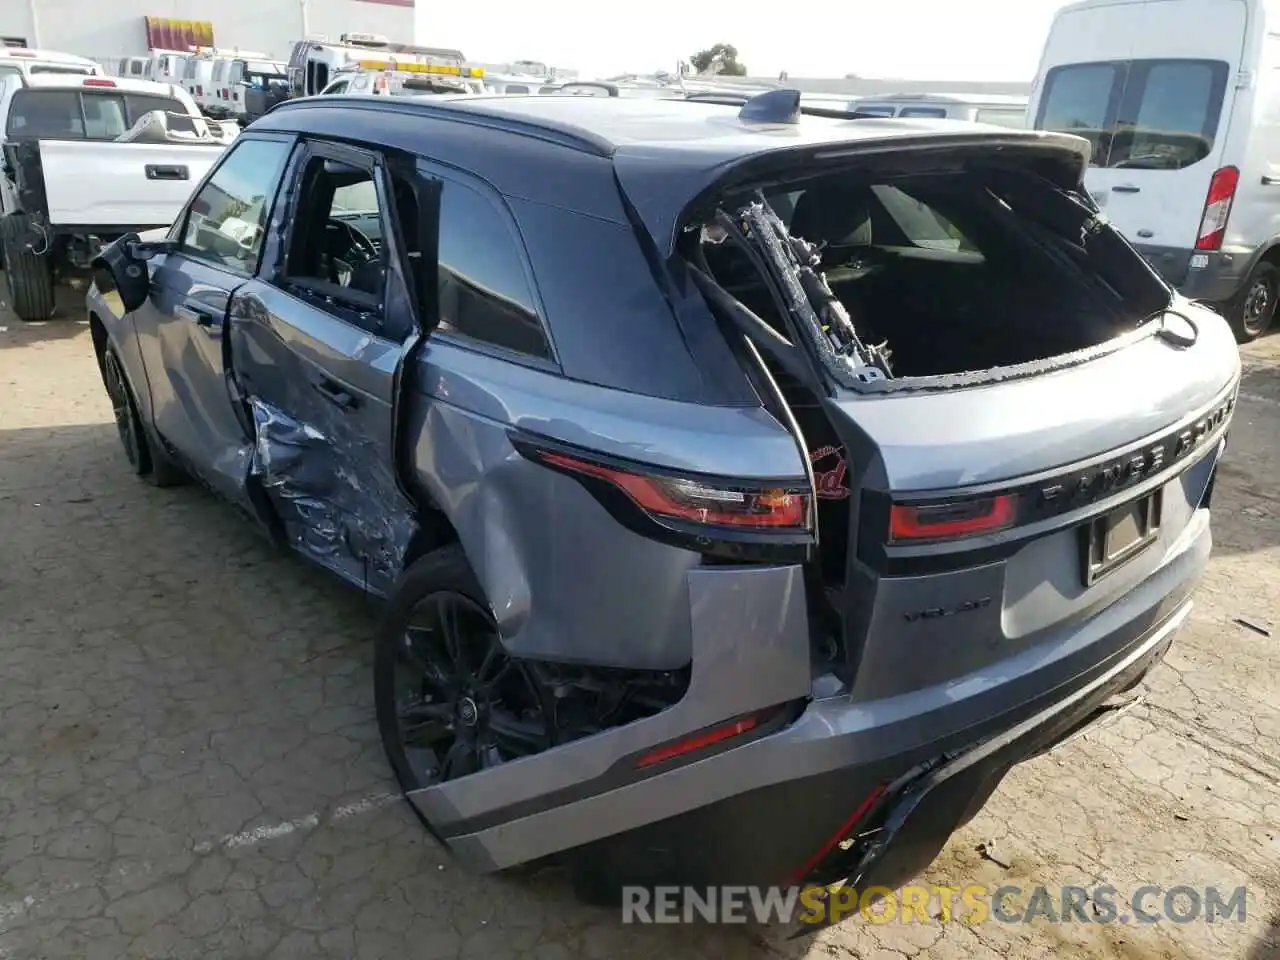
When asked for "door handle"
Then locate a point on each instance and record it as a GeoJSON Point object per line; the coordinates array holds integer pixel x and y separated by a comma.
{"type": "Point", "coordinates": [1270, 181]}
{"type": "Point", "coordinates": [1126, 188]}
{"type": "Point", "coordinates": [197, 315]}
{"type": "Point", "coordinates": [335, 393]}
{"type": "Point", "coordinates": [166, 171]}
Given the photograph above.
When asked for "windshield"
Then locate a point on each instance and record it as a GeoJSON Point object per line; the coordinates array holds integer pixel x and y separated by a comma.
{"type": "Point", "coordinates": [1139, 114]}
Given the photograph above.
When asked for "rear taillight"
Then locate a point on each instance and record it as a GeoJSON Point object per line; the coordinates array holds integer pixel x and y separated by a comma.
{"type": "Point", "coordinates": [1217, 209]}
{"type": "Point", "coordinates": [698, 742]}
{"type": "Point", "coordinates": [920, 523]}
{"type": "Point", "coordinates": [700, 501]}
{"type": "Point", "coordinates": [199, 91]}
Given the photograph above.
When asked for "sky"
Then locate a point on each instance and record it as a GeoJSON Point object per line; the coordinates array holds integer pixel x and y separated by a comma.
{"type": "Point", "coordinates": [900, 39]}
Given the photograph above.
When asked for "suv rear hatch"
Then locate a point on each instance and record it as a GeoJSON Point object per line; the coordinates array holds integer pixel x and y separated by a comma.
{"type": "Point", "coordinates": [1010, 421]}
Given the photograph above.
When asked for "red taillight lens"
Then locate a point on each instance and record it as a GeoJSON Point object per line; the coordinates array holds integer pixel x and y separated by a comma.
{"type": "Point", "coordinates": [199, 90]}
{"type": "Point", "coordinates": [698, 742]}
{"type": "Point", "coordinates": [1217, 209]}
{"type": "Point", "coordinates": [699, 501]}
{"type": "Point", "coordinates": [951, 521]}
{"type": "Point", "coordinates": [99, 82]}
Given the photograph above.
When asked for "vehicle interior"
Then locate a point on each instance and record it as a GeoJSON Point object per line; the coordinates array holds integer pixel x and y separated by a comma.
{"type": "Point", "coordinates": [957, 272]}
{"type": "Point", "coordinates": [953, 272]}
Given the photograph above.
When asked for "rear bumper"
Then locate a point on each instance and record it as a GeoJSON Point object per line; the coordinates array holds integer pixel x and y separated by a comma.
{"type": "Point", "coordinates": [1215, 277]}
{"type": "Point", "coordinates": [757, 812]}
{"type": "Point", "coordinates": [801, 832]}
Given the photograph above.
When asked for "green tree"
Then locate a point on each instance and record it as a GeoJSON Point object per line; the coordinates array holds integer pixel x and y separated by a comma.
{"type": "Point", "coordinates": [722, 59]}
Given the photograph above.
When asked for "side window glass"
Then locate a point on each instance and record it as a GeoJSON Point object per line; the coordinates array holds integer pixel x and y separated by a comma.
{"type": "Point", "coordinates": [225, 220]}
{"type": "Point", "coordinates": [482, 290]}
{"type": "Point", "coordinates": [336, 251]}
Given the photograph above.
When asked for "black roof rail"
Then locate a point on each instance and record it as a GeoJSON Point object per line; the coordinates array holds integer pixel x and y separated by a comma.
{"type": "Point", "coordinates": [552, 131]}
{"type": "Point", "coordinates": [741, 99]}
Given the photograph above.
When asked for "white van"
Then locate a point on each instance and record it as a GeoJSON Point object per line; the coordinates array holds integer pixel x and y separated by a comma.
{"type": "Point", "coordinates": [1180, 100]}
{"type": "Point", "coordinates": [23, 62]}
{"type": "Point", "coordinates": [1002, 110]}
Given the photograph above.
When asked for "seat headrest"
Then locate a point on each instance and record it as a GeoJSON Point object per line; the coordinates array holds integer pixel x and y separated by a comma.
{"type": "Point", "coordinates": [833, 213]}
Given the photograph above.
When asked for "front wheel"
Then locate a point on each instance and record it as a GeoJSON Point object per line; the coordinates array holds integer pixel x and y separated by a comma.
{"type": "Point", "coordinates": [145, 458]}
{"type": "Point", "coordinates": [1251, 312]}
{"type": "Point", "coordinates": [450, 701]}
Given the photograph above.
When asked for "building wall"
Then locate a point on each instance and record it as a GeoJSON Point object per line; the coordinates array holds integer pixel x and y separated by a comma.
{"type": "Point", "coordinates": [100, 30]}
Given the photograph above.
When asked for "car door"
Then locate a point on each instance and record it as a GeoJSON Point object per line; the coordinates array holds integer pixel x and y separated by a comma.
{"type": "Point", "coordinates": [182, 328]}
{"type": "Point", "coordinates": [317, 342]}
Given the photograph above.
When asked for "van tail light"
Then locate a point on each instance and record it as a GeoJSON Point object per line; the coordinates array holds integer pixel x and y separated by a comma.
{"type": "Point", "coordinates": [1217, 208]}
{"type": "Point", "coordinates": [99, 82]}
{"type": "Point", "coordinates": [199, 90]}
{"type": "Point", "coordinates": [931, 523]}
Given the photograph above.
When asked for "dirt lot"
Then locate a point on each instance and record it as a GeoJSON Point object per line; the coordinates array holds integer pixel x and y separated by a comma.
{"type": "Point", "coordinates": [189, 766]}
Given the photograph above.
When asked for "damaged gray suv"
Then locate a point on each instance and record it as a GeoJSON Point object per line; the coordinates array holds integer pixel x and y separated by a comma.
{"type": "Point", "coordinates": [747, 490]}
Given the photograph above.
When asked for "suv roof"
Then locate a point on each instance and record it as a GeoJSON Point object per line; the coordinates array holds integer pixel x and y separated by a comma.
{"type": "Point", "coordinates": [665, 153]}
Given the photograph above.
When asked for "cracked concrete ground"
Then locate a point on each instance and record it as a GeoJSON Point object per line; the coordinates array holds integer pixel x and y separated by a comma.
{"type": "Point", "coordinates": [189, 765]}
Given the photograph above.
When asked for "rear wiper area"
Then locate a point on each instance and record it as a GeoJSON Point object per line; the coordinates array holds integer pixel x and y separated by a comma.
{"type": "Point", "coordinates": [791, 265]}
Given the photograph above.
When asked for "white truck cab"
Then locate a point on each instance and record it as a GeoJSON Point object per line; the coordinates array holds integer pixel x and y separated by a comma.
{"type": "Point", "coordinates": [1180, 100]}
{"type": "Point", "coordinates": [23, 62]}
{"type": "Point", "coordinates": [1002, 110]}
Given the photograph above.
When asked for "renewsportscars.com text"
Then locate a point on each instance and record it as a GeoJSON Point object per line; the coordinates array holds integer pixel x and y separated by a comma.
{"type": "Point", "coordinates": [974, 904]}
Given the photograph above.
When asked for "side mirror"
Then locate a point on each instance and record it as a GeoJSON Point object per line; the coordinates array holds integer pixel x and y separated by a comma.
{"type": "Point", "coordinates": [126, 260]}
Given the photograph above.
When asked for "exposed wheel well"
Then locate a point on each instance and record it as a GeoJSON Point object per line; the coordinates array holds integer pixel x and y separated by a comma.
{"type": "Point", "coordinates": [434, 532]}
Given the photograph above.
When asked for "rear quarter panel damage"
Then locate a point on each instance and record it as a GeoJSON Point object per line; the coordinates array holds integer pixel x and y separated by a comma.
{"type": "Point", "coordinates": [566, 581]}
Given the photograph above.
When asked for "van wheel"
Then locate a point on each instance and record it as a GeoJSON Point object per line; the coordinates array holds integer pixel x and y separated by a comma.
{"type": "Point", "coordinates": [1251, 313]}
{"type": "Point", "coordinates": [30, 276]}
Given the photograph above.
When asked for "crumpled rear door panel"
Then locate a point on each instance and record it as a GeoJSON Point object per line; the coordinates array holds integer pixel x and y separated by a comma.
{"type": "Point", "coordinates": [321, 393]}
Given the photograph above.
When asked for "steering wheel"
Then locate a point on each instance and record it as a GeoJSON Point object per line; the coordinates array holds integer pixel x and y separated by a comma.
{"type": "Point", "coordinates": [342, 240]}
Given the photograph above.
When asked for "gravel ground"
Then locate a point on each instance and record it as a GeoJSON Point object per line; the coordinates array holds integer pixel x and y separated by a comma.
{"type": "Point", "coordinates": [189, 765]}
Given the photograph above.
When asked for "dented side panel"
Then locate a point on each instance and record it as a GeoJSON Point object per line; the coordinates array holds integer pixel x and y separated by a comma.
{"type": "Point", "coordinates": [322, 397]}
{"type": "Point", "coordinates": [566, 581]}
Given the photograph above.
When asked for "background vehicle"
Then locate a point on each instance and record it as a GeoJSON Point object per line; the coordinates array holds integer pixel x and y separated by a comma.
{"type": "Point", "coordinates": [1179, 99]}
{"type": "Point", "coordinates": [1003, 111]}
{"type": "Point", "coordinates": [751, 599]}
{"type": "Point", "coordinates": [392, 83]}
{"type": "Point", "coordinates": [314, 64]}
{"type": "Point", "coordinates": [197, 78]}
{"type": "Point", "coordinates": [160, 66]}
{"type": "Point", "coordinates": [252, 87]}
{"type": "Point", "coordinates": [22, 62]}
{"type": "Point", "coordinates": [67, 188]}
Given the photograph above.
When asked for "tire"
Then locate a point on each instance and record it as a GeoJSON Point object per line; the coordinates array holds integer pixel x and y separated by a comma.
{"type": "Point", "coordinates": [463, 720]}
{"type": "Point", "coordinates": [1251, 312]}
{"type": "Point", "coordinates": [30, 276]}
{"type": "Point", "coordinates": [146, 459]}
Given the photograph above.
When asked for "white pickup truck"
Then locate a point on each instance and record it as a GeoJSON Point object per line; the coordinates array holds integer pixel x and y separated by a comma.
{"type": "Point", "coordinates": [85, 160]}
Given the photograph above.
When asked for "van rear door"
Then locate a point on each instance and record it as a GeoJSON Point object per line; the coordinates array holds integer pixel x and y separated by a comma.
{"type": "Point", "coordinates": [1153, 92]}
